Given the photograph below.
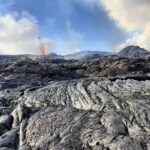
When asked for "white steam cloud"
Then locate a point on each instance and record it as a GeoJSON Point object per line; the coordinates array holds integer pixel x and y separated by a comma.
{"type": "Point", "coordinates": [132, 16]}
{"type": "Point", "coordinates": [18, 34]}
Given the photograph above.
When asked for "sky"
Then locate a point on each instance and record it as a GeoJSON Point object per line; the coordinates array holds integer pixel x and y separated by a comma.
{"type": "Point", "coordinates": [69, 26]}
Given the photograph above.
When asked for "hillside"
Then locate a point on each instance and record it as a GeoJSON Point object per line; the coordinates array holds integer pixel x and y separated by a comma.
{"type": "Point", "coordinates": [134, 52]}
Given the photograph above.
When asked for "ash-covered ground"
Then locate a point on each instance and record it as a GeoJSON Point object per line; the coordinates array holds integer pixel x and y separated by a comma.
{"type": "Point", "coordinates": [97, 103]}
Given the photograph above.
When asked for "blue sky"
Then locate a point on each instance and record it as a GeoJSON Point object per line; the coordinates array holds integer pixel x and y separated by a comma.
{"type": "Point", "coordinates": [73, 25]}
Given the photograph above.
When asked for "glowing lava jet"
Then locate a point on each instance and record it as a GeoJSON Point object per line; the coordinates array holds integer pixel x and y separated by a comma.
{"type": "Point", "coordinates": [42, 48]}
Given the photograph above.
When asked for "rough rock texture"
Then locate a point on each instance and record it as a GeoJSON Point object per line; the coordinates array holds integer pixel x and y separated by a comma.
{"type": "Point", "coordinates": [134, 52]}
{"type": "Point", "coordinates": [100, 103]}
{"type": "Point", "coordinates": [115, 114]}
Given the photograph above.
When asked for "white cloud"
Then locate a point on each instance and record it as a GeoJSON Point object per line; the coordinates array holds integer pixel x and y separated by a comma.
{"type": "Point", "coordinates": [132, 16]}
{"type": "Point", "coordinates": [18, 34]}
{"type": "Point", "coordinates": [141, 39]}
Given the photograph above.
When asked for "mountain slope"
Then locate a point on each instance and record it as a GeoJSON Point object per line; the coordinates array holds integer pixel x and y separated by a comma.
{"type": "Point", "coordinates": [134, 52]}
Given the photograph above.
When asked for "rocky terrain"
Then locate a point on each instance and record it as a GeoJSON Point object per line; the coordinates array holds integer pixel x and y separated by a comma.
{"type": "Point", "coordinates": [134, 52]}
{"type": "Point", "coordinates": [98, 103]}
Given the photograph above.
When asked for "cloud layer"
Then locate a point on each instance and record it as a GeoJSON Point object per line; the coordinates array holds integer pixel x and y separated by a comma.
{"type": "Point", "coordinates": [18, 34]}
{"type": "Point", "coordinates": [132, 16]}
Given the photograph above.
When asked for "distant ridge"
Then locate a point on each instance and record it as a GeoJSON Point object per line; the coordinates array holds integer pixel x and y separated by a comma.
{"type": "Point", "coordinates": [132, 52]}
{"type": "Point", "coordinates": [86, 54]}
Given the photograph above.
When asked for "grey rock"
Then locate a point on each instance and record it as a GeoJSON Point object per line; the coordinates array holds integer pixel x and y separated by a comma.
{"type": "Point", "coordinates": [5, 123]}
{"type": "Point", "coordinates": [20, 112]}
{"type": "Point", "coordinates": [6, 120]}
{"type": "Point", "coordinates": [134, 52]}
{"type": "Point", "coordinates": [99, 103]}
{"type": "Point", "coordinates": [106, 109]}
{"type": "Point", "coordinates": [62, 128]}
{"type": "Point", "coordinates": [6, 148]}
{"type": "Point", "coordinates": [128, 144]}
{"type": "Point", "coordinates": [9, 139]}
{"type": "Point", "coordinates": [3, 129]}
{"type": "Point", "coordinates": [5, 110]}
{"type": "Point", "coordinates": [113, 122]}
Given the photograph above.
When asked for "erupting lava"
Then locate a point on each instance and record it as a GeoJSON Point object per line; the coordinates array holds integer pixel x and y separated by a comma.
{"type": "Point", "coordinates": [42, 48]}
{"type": "Point", "coordinates": [43, 53]}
